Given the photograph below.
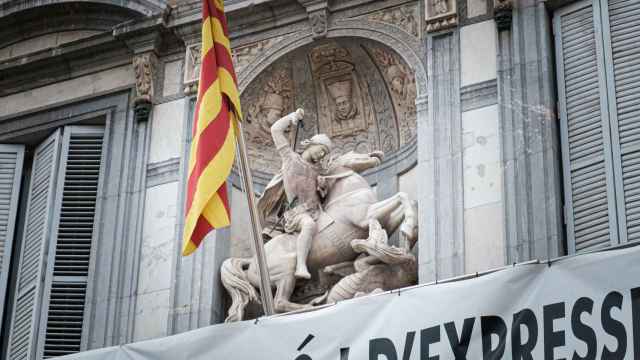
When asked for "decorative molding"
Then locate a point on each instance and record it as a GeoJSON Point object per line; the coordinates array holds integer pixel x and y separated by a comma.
{"type": "Point", "coordinates": [245, 54]}
{"type": "Point", "coordinates": [503, 10]}
{"type": "Point", "coordinates": [163, 172]}
{"type": "Point", "coordinates": [479, 95]}
{"type": "Point", "coordinates": [405, 17]}
{"type": "Point", "coordinates": [408, 47]}
{"type": "Point", "coordinates": [141, 7]}
{"type": "Point", "coordinates": [441, 14]}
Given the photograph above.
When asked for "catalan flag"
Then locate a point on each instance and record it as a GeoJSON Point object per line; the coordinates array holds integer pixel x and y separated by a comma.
{"type": "Point", "coordinates": [214, 131]}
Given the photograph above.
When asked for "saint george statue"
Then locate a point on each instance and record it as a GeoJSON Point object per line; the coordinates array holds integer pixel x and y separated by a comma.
{"type": "Point", "coordinates": [325, 204]}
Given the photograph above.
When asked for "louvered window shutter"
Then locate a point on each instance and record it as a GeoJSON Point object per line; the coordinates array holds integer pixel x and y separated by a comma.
{"type": "Point", "coordinates": [622, 44]}
{"type": "Point", "coordinates": [585, 134]}
{"type": "Point", "coordinates": [26, 302]}
{"type": "Point", "coordinates": [11, 162]}
{"type": "Point", "coordinates": [70, 248]}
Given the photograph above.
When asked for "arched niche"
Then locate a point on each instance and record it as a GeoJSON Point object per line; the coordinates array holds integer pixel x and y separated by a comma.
{"type": "Point", "coordinates": [359, 91]}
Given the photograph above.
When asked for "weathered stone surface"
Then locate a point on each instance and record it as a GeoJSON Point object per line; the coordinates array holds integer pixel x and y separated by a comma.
{"type": "Point", "coordinates": [478, 52]}
{"type": "Point", "coordinates": [172, 81]}
{"type": "Point", "coordinates": [94, 84]}
{"type": "Point", "coordinates": [481, 157]}
{"type": "Point", "coordinates": [166, 130]}
{"type": "Point", "coordinates": [484, 244]}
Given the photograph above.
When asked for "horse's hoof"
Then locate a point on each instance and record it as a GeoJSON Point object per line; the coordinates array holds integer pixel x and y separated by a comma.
{"type": "Point", "coordinates": [303, 274]}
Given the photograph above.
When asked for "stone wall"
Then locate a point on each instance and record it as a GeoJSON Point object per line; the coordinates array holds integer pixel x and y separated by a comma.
{"type": "Point", "coordinates": [475, 145]}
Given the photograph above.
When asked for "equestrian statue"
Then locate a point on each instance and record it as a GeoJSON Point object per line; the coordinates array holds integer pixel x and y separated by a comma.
{"type": "Point", "coordinates": [326, 220]}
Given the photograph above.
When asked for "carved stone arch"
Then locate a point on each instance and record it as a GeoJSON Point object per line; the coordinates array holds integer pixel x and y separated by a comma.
{"type": "Point", "coordinates": [374, 55]}
{"type": "Point", "coordinates": [407, 46]}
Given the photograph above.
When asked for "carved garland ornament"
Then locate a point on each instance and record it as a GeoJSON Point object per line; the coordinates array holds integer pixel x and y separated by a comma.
{"type": "Point", "coordinates": [401, 81]}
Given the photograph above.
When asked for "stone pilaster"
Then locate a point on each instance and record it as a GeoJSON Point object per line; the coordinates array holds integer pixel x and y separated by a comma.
{"type": "Point", "coordinates": [529, 131]}
{"type": "Point", "coordinates": [441, 188]}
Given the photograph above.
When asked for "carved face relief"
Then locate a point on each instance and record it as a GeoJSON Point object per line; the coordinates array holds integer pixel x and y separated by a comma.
{"type": "Point", "coordinates": [342, 96]}
{"type": "Point", "coordinates": [344, 108]}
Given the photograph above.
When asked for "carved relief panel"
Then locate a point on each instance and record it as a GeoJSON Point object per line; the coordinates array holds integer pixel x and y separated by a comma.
{"type": "Point", "coordinates": [400, 80]}
{"type": "Point", "coordinates": [360, 93]}
{"type": "Point", "coordinates": [440, 14]}
{"type": "Point", "coordinates": [268, 99]}
{"type": "Point", "coordinates": [405, 17]}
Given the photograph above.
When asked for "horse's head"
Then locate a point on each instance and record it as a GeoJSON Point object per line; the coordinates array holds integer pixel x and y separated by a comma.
{"type": "Point", "coordinates": [344, 177]}
{"type": "Point", "coordinates": [356, 161]}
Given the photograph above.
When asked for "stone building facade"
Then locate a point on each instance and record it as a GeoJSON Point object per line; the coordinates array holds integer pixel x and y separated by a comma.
{"type": "Point", "coordinates": [512, 123]}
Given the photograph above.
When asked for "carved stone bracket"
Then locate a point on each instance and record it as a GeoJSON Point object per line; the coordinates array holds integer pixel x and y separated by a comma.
{"type": "Point", "coordinates": [318, 12]}
{"type": "Point", "coordinates": [144, 38]}
{"type": "Point", "coordinates": [144, 67]}
{"type": "Point", "coordinates": [441, 14]}
{"type": "Point", "coordinates": [503, 10]}
{"type": "Point", "coordinates": [319, 23]}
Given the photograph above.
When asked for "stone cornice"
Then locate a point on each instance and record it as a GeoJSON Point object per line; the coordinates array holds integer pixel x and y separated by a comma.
{"type": "Point", "coordinates": [62, 63]}
{"type": "Point", "coordinates": [87, 55]}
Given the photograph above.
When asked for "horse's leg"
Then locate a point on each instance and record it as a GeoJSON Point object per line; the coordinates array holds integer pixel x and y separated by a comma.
{"type": "Point", "coordinates": [284, 289]}
{"type": "Point", "coordinates": [396, 211]}
{"type": "Point", "coordinates": [381, 210]}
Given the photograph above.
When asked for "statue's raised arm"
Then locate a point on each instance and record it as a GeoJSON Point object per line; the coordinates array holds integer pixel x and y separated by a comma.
{"type": "Point", "coordinates": [279, 128]}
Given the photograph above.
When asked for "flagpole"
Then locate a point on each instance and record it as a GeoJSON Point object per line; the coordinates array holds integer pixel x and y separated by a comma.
{"type": "Point", "coordinates": [256, 227]}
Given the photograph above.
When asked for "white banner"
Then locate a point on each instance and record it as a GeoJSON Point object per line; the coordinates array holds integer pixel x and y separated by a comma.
{"type": "Point", "coordinates": [582, 307]}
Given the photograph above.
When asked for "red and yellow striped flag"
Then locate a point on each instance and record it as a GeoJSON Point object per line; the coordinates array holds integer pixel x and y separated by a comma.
{"type": "Point", "coordinates": [214, 131]}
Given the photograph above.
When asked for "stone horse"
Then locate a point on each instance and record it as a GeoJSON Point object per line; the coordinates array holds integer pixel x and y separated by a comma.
{"type": "Point", "coordinates": [349, 206]}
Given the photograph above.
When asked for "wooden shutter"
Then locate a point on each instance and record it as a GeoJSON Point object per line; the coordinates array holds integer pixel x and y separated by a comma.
{"type": "Point", "coordinates": [622, 42]}
{"type": "Point", "coordinates": [37, 229]}
{"type": "Point", "coordinates": [70, 248]}
{"type": "Point", "coordinates": [587, 163]}
{"type": "Point", "coordinates": [11, 162]}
